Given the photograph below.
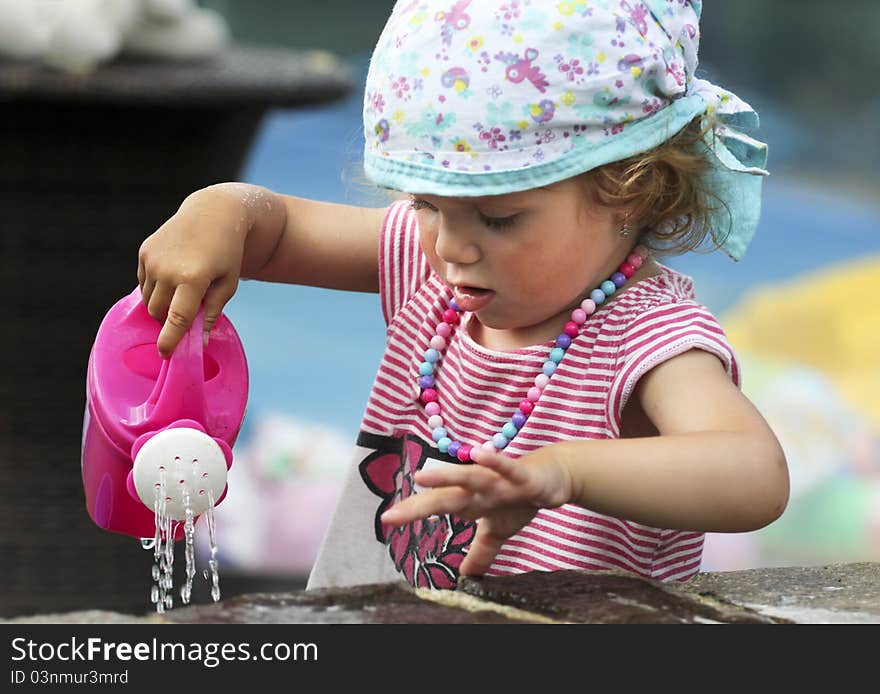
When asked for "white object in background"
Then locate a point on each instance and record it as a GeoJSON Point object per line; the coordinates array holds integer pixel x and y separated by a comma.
{"type": "Point", "coordinates": [24, 31]}
{"type": "Point", "coordinates": [199, 33]}
{"type": "Point", "coordinates": [87, 32]}
{"type": "Point", "coordinates": [78, 35]}
{"type": "Point", "coordinates": [167, 10]}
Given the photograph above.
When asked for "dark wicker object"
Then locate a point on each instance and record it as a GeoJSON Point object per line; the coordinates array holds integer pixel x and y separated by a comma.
{"type": "Point", "coordinates": [89, 166]}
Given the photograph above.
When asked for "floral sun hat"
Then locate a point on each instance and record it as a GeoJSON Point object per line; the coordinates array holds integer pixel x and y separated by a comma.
{"type": "Point", "coordinates": [485, 97]}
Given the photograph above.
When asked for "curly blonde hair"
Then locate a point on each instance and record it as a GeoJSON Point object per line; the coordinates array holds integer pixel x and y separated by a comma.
{"type": "Point", "coordinates": [666, 191]}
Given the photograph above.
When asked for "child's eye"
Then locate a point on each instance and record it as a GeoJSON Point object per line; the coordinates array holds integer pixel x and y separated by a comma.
{"type": "Point", "coordinates": [491, 222]}
{"type": "Point", "coordinates": [498, 222]}
{"type": "Point", "coordinates": [419, 204]}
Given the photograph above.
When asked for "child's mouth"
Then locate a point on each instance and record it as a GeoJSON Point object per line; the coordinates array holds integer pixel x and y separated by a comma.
{"type": "Point", "coordinates": [472, 298]}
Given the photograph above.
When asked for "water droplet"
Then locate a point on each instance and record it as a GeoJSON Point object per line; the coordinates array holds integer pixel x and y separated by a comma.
{"type": "Point", "coordinates": [148, 542]}
{"type": "Point", "coordinates": [155, 573]}
{"type": "Point", "coordinates": [154, 594]}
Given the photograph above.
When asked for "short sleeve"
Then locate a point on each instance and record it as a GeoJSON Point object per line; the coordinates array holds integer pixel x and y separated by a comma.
{"type": "Point", "coordinates": [403, 267]}
{"type": "Point", "coordinates": [658, 334]}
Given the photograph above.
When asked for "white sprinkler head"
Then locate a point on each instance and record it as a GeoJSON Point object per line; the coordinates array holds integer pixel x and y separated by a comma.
{"type": "Point", "coordinates": [190, 461]}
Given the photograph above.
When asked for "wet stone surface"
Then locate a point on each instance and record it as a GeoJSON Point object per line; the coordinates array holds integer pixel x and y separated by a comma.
{"type": "Point", "coordinates": [385, 603]}
{"type": "Point", "coordinates": [844, 593]}
{"type": "Point", "coordinates": [836, 593]}
{"type": "Point", "coordinates": [607, 598]}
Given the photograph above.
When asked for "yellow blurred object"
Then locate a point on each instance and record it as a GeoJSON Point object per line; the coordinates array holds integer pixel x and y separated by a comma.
{"type": "Point", "coordinates": [829, 319]}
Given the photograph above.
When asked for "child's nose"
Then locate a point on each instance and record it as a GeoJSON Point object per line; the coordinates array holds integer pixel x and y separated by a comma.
{"type": "Point", "coordinates": [456, 245]}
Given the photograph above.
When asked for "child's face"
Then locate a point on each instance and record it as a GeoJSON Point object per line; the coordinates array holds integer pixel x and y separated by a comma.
{"type": "Point", "coordinates": [521, 261]}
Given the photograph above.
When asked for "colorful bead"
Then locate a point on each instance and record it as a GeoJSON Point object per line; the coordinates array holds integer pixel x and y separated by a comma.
{"type": "Point", "coordinates": [451, 317]}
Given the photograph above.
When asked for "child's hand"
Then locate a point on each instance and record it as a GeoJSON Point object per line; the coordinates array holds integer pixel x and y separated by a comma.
{"type": "Point", "coordinates": [502, 492]}
{"type": "Point", "coordinates": [196, 255]}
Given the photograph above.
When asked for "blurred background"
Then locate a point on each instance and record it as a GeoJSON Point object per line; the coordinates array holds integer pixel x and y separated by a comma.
{"type": "Point", "coordinates": [800, 310]}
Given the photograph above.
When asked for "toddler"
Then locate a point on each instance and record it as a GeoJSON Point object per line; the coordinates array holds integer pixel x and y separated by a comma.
{"type": "Point", "coordinates": [551, 396]}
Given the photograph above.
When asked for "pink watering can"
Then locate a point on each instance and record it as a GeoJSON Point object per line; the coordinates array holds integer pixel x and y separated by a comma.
{"type": "Point", "coordinates": [156, 424]}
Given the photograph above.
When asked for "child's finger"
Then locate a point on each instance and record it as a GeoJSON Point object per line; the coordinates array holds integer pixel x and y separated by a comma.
{"type": "Point", "coordinates": [470, 477]}
{"type": "Point", "coordinates": [160, 298]}
{"type": "Point", "coordinates": [504, 465]}
{"type": "Point", "coordinates": [481, 554]}
{"type": "Point", "coordinates": [215, 299]}
{"type": "Point", "coordinates": [431, 503]}
{"type": "Point", "coordinates": [147, 287]}
{"type": "Point", "coordinates": [182, 310]}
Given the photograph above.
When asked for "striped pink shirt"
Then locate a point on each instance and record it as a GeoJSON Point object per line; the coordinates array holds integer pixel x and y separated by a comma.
{"type": "Point", "coordinates": [479, 388]}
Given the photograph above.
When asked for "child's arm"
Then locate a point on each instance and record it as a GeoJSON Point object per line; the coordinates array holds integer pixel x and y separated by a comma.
{"type": "Point", "coordinates": [233, 230]}
{"type": "Point", "coordinates": [715, 467]}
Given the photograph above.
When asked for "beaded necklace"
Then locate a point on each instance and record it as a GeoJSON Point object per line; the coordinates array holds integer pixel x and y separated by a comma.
{"type": "Point", "coordinates": [450, 318]}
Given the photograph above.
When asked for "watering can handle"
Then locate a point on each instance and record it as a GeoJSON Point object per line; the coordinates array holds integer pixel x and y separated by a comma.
{"type": "Point", "coordinates": [179, 392]}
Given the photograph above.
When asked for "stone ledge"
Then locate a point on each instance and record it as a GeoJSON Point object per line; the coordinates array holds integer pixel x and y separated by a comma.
{"type": "Point", "coordinates": [842, 593]}
{"type": "Point", "coordinates": [242, 75]}
{"type": "Point", "coordinates": [834, 593]}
